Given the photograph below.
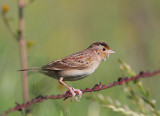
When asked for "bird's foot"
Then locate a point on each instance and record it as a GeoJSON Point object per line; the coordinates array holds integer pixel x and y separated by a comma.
{"type": "Point", "coordinates": [73, 92]}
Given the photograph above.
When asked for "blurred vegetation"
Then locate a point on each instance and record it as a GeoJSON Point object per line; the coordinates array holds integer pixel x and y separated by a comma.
{"type": "Point", "coordinates": [140, 99]}
{"type": "Point", "coordinates": [55, 29]}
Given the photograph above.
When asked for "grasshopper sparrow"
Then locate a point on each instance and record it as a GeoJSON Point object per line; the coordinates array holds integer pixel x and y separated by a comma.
{"type": "Point", "coordinates": [76, 66]}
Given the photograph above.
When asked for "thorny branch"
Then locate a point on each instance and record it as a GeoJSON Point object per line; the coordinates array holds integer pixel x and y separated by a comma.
{"type": "Point", "coordinates": [96, 87]}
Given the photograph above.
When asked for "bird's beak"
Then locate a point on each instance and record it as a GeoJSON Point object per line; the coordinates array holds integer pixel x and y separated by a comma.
{"type": "Point", "coordinates": [111, 52]}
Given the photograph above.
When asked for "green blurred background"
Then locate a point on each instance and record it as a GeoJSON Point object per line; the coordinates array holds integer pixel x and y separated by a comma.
{"type": "Point", "coordinates": [57, 28]}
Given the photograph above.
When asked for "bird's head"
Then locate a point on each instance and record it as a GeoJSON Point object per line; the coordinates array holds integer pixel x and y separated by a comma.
{"type": "Point", "coordinates": [102, 49]}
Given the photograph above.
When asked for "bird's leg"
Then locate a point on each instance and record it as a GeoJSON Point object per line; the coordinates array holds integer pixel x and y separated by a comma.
{"type": "Point", "coordinates": [71, 90]}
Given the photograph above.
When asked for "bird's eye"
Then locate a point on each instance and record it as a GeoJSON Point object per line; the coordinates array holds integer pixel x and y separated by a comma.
{"type": "Point", "coordinates": [104, 49]}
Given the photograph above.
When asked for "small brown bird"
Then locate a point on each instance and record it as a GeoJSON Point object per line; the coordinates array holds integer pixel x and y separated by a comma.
{"type": "Point", "coordinates": [76, 66]}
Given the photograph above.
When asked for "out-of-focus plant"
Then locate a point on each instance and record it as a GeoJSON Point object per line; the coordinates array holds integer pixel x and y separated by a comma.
{"type": "Point", "coordinates": [135, 92]}
{"type": "Point", "coordinates": [19, 36]}
{"type": "Point", "coordinates": [6, 21]}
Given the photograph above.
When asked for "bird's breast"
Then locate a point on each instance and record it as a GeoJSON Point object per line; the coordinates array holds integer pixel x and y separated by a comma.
{"type": "Point", "coordinates": [74, 74]}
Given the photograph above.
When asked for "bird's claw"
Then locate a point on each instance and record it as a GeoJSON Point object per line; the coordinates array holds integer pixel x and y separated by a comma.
{"type": "Point", "coordinates": [73, 92]}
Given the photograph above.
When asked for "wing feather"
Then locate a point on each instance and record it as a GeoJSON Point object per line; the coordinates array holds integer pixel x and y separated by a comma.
{"type": "Point", "coordinates": [76, 61]}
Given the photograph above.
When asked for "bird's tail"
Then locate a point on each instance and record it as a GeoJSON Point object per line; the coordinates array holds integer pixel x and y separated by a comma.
{"type": "Point", "coordinates": [31, 69]}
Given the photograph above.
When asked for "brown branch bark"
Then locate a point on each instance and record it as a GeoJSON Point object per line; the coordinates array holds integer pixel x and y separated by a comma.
{"type": "Point", "coordinates": [23, 52]}
{"type": "Point", "coordinates": [96, 87]}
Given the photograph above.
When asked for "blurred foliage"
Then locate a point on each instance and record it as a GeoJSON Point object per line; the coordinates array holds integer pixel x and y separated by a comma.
{"type": "Point", "coordinates": [139, 97]}
{"type": "Point", "coordinates": [54, 29]}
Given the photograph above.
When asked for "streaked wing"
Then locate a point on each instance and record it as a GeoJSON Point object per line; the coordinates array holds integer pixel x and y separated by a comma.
{"type": "Point", "coordinates": [76, 61]}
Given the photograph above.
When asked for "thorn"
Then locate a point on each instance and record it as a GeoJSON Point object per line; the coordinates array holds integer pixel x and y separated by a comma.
{"type": "Point", "coordinates": [20, 108]}
{"type": "Point", "coordinates": [141, 73]}
{"type": "Point", "coordinates": [40, 98]}
{"type": "Point", "coordinates": [120, 79]}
